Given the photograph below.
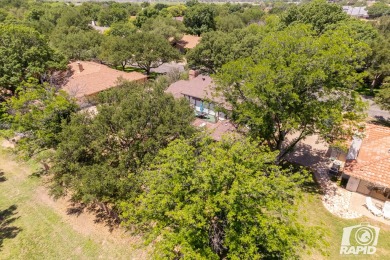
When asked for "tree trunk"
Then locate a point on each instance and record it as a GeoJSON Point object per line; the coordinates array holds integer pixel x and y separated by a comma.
{"type": "Point", "coordinates": [374, 83]}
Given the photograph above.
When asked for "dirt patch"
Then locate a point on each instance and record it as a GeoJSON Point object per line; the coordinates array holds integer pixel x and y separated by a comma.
{"type": "Point", "coordinates": [85, 223]}
{"type": "Point", "coordinates": [7, 144]}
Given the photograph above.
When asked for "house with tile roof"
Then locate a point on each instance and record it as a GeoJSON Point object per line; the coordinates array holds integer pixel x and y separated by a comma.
{"type": "Point", "coordinates": [89, 78]}
{"type": "Point", "coordinates": [199, 91]}
{"type": "Point", "coordinates": [367, 166]}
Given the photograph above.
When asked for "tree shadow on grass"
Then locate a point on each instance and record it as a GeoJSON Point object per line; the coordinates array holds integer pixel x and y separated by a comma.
{"type": "Point", "coordinates": [108, 217]}
{"type": "Point", "coordinates": [7, 230]}
{"type": "Point", "coordinates": [76, 209]}
{"type": "Point", "coordinates": [2, 177]}
{"type": "Point", "coordinates": [312, 160]}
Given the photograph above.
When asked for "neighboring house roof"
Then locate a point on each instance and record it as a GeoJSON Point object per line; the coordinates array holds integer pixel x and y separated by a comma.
{"type": "Point", "coordinates": [95, 77]}
{"type": "Point", "coordinates": [188, 41]}
{"type": "Point", "coordinates": [169, 67]}
{"type": "Point", "coordinates": [178, 18]}
{"type": "Point", "coordinates": [359, 11]}
{"type": "Point", "coordinates": [373, 161]}
{"type": "Point", "coordinates": [101, 29]}
{"type": "Point", "coordinates": [216, 129]}
{"type": "Point", "coordinates": [201, 87]}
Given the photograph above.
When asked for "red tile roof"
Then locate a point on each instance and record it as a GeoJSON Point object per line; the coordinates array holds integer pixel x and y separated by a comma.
{"type": "Point", "coordinates": [188, 41]}
{"type": "Point", "coordinates": [373, 161]}
{"type": "Point", "coordinates": [95, 77]}
{"type": "Point", "coordinates": [216, 129]}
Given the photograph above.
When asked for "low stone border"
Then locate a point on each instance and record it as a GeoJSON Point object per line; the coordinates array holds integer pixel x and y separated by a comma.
{"type": "Point", "coordinates": [335, 199]}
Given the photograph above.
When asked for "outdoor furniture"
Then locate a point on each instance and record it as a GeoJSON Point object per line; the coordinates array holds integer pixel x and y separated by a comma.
{"type": "Point", "coordinates": [335, 168]}
{"type": "Point", "coordinates": [386, 210]}
{"type": "Point", "coordinates": [202, 115]}
{"type": "Point", "coordinates": [371, 207]}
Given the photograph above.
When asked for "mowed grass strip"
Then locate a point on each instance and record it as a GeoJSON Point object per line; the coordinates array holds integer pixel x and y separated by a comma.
{"type": "Point", "coordinates": [315, 214]}
{"type": "Point", "coordinates": [32, 230]}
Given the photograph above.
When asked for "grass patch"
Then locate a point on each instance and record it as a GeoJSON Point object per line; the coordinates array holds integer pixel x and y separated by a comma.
{"type": "Point", "coordinates": [152, 75]}
{"type": "Point", "coordinates": [366, 91]}
{"type": "Point", "coordinates": [314, 214]}
{"type": "Point", "coordinates": [32, 229]}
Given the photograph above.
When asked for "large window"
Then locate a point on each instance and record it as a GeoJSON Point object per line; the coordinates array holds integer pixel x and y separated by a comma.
{"type": "Point", "coordinates": [212, 109]}
{"type": "Point", "coordinates": [198, 103]}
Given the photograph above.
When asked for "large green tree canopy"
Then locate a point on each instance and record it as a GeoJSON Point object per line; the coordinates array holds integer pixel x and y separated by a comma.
{"type": "Point", "coordinates": [76, 43]}
{"type": "Point", "coordinates": [200, 18]}
{"type": "Point", "coordinates": [217, 48]}
{"type": "Point", "coordinates": [379, 61]}
{"type": "Point", "coordinates": [219, 200]}
{"type": "Point", "coordinates": [296, 82]}
{"type": "Point", "coordinates": [383, 95]}
{"type": "Point", "coordinates": [116, 50]}
{"type": "Point", "coordinates": [318, 13]}
{"type": "Point", "coordinates": [100, 156]}
{"type": "Point", "coordinates": [378, 9]}
{"type": "Point", "coordinates": [24, 53]}
{"type": "Point", "coordinates": [38, 112]}
{"type": "Point", "coordinates": [150, 50]}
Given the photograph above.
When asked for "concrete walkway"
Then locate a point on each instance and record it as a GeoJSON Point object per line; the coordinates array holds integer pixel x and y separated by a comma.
{"type": "Point", "coordinates": [357, 204]}
{"type": "Point", "coordinates": [375, 111]}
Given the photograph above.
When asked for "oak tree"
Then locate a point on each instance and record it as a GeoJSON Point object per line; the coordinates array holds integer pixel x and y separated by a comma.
{"type": "Point", "coordinates": [150, 50]}
{"type": "Point", "coordinates": [296, 83]}
{"type": "Point", "coordinates": [219, 200]}
{"type": "Point", "coordinates": [24, 54]}
{"type": "Point", "coordinates": [101, 155]}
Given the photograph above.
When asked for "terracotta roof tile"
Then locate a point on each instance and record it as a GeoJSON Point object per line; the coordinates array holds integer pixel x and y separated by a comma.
{"type": "Point", "coordinates": [373, 161]}
{"type": "Point", "coordinates": [216, 129]}
{"type": "Point", "coordinates": [188, 41]}
{"type": "Point", "coordinates": [95, 77]}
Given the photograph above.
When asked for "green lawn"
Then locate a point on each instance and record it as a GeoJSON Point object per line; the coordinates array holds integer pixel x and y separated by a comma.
{"type": "Point", "coordinates": [316, 215]}
{"type": "Point", "coordinates": [30, 229]}
{"type": "Point", "coordinates": [152, 75]}
{"type": "Point", "coordinates": [367, 92]}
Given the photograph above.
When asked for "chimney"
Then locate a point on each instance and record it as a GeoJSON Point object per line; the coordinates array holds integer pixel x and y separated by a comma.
{"type": "Point", "coordinates": [192, 74]}
{"type": "Point", "coordinates": [80, 66]}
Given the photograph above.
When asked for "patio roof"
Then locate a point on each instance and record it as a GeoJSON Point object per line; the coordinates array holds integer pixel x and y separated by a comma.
{"type": "Point", "coordinates": [373, 161]}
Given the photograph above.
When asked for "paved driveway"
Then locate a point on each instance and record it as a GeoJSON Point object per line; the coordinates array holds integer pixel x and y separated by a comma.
{"type": "Point", "coordinates": [375, 111]}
